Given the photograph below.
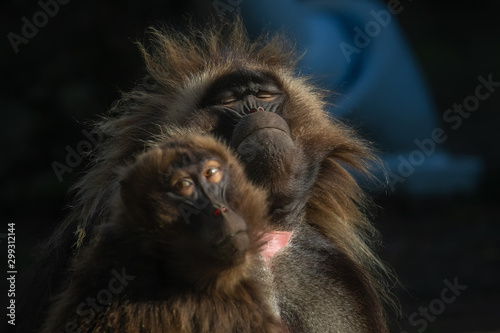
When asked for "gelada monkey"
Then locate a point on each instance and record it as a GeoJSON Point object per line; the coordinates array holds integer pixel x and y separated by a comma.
{"type": "Point", "coordinates": [181, 252]}
{"type": "Point", "coordinates": [249, 95]}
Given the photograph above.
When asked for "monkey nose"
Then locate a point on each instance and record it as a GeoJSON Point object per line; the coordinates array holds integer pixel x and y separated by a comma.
{"type": "Point", "coordinates": [253, 110]}
{"type": "Point", "coordinates": [218, 211]}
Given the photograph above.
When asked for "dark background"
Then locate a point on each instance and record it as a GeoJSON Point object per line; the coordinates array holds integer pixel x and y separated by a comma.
{"type": "Point", "coordinates": [75, 66]}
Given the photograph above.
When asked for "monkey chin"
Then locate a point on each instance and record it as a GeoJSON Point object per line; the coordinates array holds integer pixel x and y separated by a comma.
{"type": "Point", "coordinates": [222, 237]}
{"type": "Point", "coordinates": [232, 250]}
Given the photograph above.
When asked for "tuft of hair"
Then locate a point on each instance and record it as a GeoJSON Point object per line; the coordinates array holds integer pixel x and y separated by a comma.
{"type": "Point", "coordinates": [173, 58]}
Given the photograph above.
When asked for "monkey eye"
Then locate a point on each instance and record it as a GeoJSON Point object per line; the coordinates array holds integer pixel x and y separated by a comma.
{"type": "Point", "coordinates": [213, 172]}
{"type": "Point", "coordinates": [229, 100]}
{"type": "Point", "coordinates": [184, 187]}
{"type": "Point", "coordinates": [265, 95]}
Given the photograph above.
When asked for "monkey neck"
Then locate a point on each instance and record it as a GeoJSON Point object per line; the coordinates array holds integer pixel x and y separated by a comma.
{"type": "Point", "coordinates": [275, 241]}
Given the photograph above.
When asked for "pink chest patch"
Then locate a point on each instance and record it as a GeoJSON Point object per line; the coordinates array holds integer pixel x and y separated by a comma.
{"type": "Point", "coordinates": [275, 241]}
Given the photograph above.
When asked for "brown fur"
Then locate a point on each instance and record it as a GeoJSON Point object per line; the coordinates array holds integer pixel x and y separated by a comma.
{"type": "Point", "coordinates": [147, 238]}
{"type": "Point", "coordinates": [185, 65]}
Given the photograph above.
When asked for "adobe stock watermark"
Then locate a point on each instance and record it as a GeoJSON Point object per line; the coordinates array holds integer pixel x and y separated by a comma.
{"type": "Point", "coordinates": [453, 116]}
{"type": "Point", "coordinates": [104, 297]}
{"type": "Point", "coordinates": [193, 208]}
{"type": "Point", "coordinates": [74, 157]}
{"type": "Point", "coordinates": [29, 29]}
{"type": "Point", "coordinates": [225, 6]}
{"type": "Point", "coordinates": [373, 28]}
{"type": "Point", "coordinates": [425, 315]}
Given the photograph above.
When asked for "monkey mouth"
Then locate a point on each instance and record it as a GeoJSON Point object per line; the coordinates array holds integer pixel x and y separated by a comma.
{"type": "Point", "coordinates": [273, 160]}
{"type": "Point", "coordinates": [245, 231]}
{"type": "Point", "coordinates": [264, 143]}
{"type": "Point", "coordinates": [230, 238]}
{"type": "Point", "coordinates": [249, 126]}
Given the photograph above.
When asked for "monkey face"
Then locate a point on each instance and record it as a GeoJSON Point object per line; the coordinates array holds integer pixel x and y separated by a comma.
{"type": "Point", "coordinates": [250, 112]}
{"type": "Point", "coordinates": [186, 196]}
{"type": "Point", "coordinates": [199, 190]}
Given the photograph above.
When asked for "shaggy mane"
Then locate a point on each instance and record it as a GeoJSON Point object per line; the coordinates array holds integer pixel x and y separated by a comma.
{"type": "Point", "coordinates": [182, 65]}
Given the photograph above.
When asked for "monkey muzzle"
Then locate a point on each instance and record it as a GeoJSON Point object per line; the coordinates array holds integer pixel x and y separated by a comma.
{"type": "Point", "coordinates": [223, 232]}
{"type": "Point", "coordinates": [272, 159]}
{"type": "Point", "coordinates": [259, 125]}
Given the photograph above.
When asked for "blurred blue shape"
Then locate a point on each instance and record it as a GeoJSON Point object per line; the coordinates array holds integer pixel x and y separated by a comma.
{"type": "Point", "coordinates": [356, 49]}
